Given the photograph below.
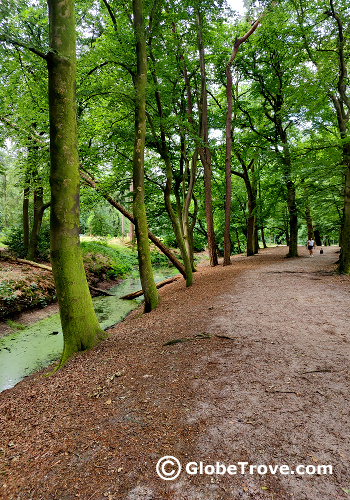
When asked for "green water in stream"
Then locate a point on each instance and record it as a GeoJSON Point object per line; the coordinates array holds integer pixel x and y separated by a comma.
{"type": "Point", "coordinates": [27, 351]}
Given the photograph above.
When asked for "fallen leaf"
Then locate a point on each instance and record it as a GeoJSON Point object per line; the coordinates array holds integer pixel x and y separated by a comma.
{"type": "Point", "coordinates": [108, 402]}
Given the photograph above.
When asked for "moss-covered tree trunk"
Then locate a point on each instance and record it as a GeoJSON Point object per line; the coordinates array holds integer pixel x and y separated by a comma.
{"type": "Point", "coordinates": [146, 274]}
{"type": "Point", "coordinates": [81, 329]}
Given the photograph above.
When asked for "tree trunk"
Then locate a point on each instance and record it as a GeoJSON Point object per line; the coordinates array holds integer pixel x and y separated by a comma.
{"type": "Point", "coordinates": [25, 211]}
{"type": "Point", "coordinates": [344, 261]}
{"type": "Point", "coordinates": [251, 228]}
{"type": "Point", "coordinates": [164, 152]}
{"type": "Point", "coordinates": [144, 256]}
{"type": "Point", "coordinates": [187, 227]}
{"type": "Point", "coordinates": [39, 209]}
{"type": "Point", "coordinates": [287, 168]}
{"type": "Point", "coordinates": [261, 219]}
{"type": "Point", "coordinates": [204, 151]}
{"type": "Point", "coordinates": [252, 246]}
{"type": "Point", "coordinates": [228, 180]}
{"type": "Point", "coordinates": [81, 329]}
{"type": "Point", "coordinates": [132, 226]}
{"type": "Point", "coordinates": [263, 236]}
{"type": "Point", "coordinates": [175, 222]}
{"type": "Point", "coordinates": [310, 229]}
{"type": "Point", "coordinates": [238, 242]}
{"type": "Point", "coordinates": [293, 221]}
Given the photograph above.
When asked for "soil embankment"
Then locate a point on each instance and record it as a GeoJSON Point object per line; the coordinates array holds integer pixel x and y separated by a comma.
{"type": "Point", "coordinates": [261, 375]}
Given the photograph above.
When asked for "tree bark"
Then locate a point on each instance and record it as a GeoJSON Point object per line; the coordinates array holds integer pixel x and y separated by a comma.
{"type": "Point", "coordinates": [287, 172]}
{"type": "Point", "coordinates": [227, 236]}
{"type": "Point", "coordinates": [344, 261]}
{"type": "Point", "coordinates": [39, 208]}
{"type": "Point", "coordinates": [25, 212]}
{"type": "Point", "coordinates": [5, 200]}
{"type": "Point", "coordinates": [228, 180]}
{"type": "Point", "coordinates": [252, 247]}
{"type": "Point", "coordinates": [204, 151]}
{"type": "Point", "coordinates": [310, 229]}
{"type": "Point", "coordinates": [81, 329]}
{"type": "Point", "coordinates": [144, 256]}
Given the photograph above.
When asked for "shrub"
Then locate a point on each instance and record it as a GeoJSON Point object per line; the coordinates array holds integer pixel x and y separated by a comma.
{"type": "Point", "coordinates": [14, 241]}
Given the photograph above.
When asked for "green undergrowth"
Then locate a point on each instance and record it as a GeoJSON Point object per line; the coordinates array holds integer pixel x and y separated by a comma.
{"type": "Point", "coordinates": [102, 259]}
{"type": "Point", "coordinates": [114, 261]}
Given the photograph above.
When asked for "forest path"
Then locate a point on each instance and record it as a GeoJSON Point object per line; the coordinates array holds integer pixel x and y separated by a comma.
{"type": "Point", "coordinates": [263, 378]}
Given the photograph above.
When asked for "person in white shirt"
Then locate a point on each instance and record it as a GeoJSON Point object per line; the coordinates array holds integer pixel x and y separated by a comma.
{"type": "Point", "coordinates": [311, 246]}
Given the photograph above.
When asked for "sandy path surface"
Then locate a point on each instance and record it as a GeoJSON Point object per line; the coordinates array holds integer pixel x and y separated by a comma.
{"type": "Point", "coordinates": [263, 379]}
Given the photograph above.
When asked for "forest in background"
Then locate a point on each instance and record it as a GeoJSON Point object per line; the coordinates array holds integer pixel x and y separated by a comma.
{"type": "Point", "coordinates": [227, 131]}
{"type": "Point", "coordinates": [272, 64]}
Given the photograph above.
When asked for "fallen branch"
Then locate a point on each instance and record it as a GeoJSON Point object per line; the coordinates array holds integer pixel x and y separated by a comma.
{"type": "Point", "coordinates": [31, 263]}
{"type": "Point", "coordinates": [94, 184]}
{"type": "Point", "coordinates": [283, 392]}
{"type": "Point", "coordinates": [49, 268]}
{"type": "Point", "coordinates": [225, 337]}
{"type": "Point", "coordinates": [134, 295]}
{"type": "Point", "coordinates": [323, 370]}
{"type": "Point", "coordinates": [102, 292]}
{"type": "Point", "coordinates": [199, 336]}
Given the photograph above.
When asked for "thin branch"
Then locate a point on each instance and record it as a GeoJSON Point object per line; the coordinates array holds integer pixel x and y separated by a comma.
{"type": "Point", "coordinates": [16, 43]}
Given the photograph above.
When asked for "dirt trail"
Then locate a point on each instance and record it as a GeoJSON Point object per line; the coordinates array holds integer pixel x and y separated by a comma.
{"type": "Point", "coordinates": [264, 379]}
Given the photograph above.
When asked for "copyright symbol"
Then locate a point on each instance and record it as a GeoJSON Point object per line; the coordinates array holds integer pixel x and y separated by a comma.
{"type": "Point", "coordinates": [168, 468]}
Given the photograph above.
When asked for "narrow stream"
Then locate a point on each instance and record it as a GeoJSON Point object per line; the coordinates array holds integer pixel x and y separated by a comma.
{"type": "Point", "coordinates": [27, 351]}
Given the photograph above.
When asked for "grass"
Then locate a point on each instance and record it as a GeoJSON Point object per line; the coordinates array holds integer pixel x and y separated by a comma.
{"type": "Point", "coordinates": [15, 326]}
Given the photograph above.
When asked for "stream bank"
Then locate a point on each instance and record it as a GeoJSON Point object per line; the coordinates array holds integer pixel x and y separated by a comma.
{"type": "Point", "coordinates": [30, 348]}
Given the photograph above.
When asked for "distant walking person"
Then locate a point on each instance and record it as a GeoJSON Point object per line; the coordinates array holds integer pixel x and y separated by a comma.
{"type": "Point", "coordinates": [311, 246]}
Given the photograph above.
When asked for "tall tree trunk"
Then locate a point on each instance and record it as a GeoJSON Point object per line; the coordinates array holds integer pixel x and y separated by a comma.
{"type": "Point", "coordinates": [175, 222]}
{"type": "Point", "coordinates": [39, 208]}
{"type": "Point", "coordinates": [251, 227]}
{"type": "Point", "coordinates": [204, 151]}
{"type": "Point", "coordinates": [227, 236]}
{"type": "Point", "coordinates": [81, 329]}
{"type": "Point", "coordinates": [344, 261]}
{"type": "Point", "coordinates": [25, 212]}
{"type": "Point", "coordinates": [287, 173]}
{"type": "Point", "coordinates": [144, 256]}
{"type": "Point", "coordinates": [261, 219]}
{"type": "Point", "coordinates": [228, 180]}
{"type": "Point", "coordinates": [5, 200]}
{"type": "Point", "coordinates": [164, 152]}
{"type": "Point", "coordinates": [187, 197]}
{"type": "Point", "coordinates": [293, 220]}
{"type": "Point", "coordinates": [252, 246]}
{"type": "Point", "coordinates": [310, 229]}
{"type": "Point", "coordinates": [238, 242]}
{"type": "Point", "coordinates": [132, 226]}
